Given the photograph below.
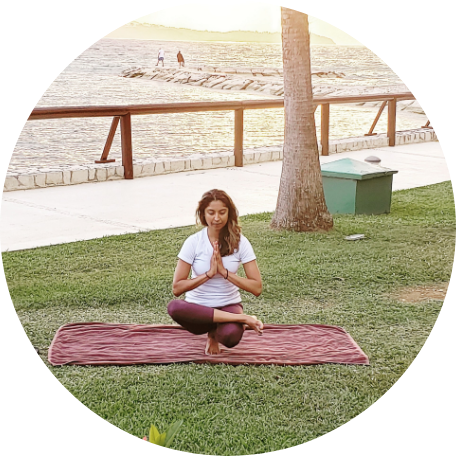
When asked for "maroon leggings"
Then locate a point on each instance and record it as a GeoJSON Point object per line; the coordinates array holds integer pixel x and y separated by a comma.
{"type": "Point", "coordinates": [199, 319]}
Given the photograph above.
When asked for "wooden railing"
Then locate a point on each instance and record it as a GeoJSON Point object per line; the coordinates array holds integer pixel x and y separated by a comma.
{"type": "Point", "coordinates": [124, 113]}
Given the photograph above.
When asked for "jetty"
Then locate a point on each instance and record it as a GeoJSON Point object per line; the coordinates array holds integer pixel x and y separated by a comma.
{"type": "Point", "coordinates": [266, 81]}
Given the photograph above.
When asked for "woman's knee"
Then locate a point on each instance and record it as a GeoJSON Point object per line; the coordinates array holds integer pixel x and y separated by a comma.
{"type": "Point", "coordinates": [230, 334]}
{"type": "Point", "coordinates": [175, 307]}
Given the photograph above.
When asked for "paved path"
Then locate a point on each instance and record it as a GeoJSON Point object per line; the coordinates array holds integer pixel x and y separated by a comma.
{"type": "Point", "coordinates": [33, 218]}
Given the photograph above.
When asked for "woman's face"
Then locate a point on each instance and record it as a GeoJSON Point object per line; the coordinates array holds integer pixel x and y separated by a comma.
{"type": "Point", "coordinates": [216, 215]}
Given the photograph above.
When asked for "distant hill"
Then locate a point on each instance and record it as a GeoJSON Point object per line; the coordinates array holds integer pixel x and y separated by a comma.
{"type": "Point", "coordinates": [143, 31]}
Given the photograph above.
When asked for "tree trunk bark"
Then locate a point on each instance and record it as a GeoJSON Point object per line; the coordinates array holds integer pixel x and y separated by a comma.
{"type": "Point", "coordinates": [301, 204]}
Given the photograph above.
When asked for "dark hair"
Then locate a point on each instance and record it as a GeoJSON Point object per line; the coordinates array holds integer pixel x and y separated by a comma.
{"type": "Point", "coordinates": [230, 234]}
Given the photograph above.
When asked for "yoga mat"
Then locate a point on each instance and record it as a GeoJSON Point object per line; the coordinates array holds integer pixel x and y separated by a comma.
{"type": "Point", "coordinates": [121, 344]}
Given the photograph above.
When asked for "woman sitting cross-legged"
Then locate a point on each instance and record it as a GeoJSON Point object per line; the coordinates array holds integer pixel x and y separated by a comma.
{"type": "Point", "coordinates": [212, 300]}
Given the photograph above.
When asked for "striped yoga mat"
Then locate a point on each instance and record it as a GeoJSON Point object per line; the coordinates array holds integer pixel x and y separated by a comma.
{"type": "Point", "coordinates": [122, 344]}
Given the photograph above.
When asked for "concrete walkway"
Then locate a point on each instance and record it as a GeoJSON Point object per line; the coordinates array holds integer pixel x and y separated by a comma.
{"type": "Point", "coordinates": [34, 218]}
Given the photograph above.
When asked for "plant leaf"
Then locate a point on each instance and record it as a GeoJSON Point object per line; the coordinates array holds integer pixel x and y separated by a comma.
{"type": "Point", "coordinates": [154, 435]}
{"type": "Point", "coordinates": [171, 432]}
{"type": "Point", "coordinates": [162, 439]}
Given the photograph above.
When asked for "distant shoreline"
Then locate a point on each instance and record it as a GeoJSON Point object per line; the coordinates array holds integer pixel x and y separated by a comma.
{"type": "Point", "coordinates": [140, 31]}
{"type": "Point", "coordinates": [219, 41]}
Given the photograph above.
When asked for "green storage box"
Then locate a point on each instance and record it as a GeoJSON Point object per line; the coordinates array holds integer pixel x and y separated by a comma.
{"type": "Point", "coordinates": [354, 187]}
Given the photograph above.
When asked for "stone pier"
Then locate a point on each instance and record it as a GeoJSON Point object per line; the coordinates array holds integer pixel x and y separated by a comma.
{"type": "Point", "coordinates": [264, 81]}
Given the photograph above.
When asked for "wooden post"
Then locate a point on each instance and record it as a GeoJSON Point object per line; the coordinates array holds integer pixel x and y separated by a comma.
{"type": "Point", "coordinates": [107, 147]}
{"type": "Point", "coordinates": [127, 150]}
{"type": "Point", "coordinates": [325, 129]}
{"type": "Point", "coordinates": [392, 122]}
{"type": "Point", "coordinates": [371, 131]}
{"type": "Point", "coordinates": [238, 137]}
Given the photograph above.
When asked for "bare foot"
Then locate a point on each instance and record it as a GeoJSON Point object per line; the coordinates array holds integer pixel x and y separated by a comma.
{"type": "Point", "coordinates": [212, 346]}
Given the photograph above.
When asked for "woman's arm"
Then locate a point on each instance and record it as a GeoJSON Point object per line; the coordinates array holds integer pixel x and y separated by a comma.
{"type": "Point", "coordinates": [252, 283]}
{"type": "Point", "coordinates": [181, 282]}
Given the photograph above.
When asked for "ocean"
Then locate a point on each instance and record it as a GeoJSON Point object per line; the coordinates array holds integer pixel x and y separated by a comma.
{"type": "Point", "coordinates": [93, 79]}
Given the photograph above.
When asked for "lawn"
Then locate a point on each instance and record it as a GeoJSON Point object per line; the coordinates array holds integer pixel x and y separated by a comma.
{"type": "Point", "coordinates": [308, 278]}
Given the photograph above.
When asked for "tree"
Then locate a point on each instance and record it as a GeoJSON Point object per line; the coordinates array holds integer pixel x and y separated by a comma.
{"type": "Point", "coordinates": [301, 204]}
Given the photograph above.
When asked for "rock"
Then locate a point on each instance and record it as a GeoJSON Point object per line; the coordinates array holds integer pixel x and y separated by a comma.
{"type": "Point", "coordinates": [136, 74]}
{"type": "Point", "coordinates": [328, 74]}
{"type": "Point", "coordinates": [79, 176]}
{"type": "Point", "coordinates": [232, 85]}
{"type": "Point", "coordinates": [276, 89]}
{"type": "Point", "coordinates": [26, 180]}
{"type": "Point", "coordinates": [162, 76]}
{"type": "Point", "coordinates": [11, 183]}
{"type": "Point", "coordinates": [269, 72]}
{"type": "Point", "coordinates": [40, 180]}
{"type": "Point", "coordinates": [101, 175]}
{"type": "Point", "coordinates": [198, 83]}
{"type": "Point", "coordinates": [254, 86]}
{"type": "Point", "coordinates": [247, 83]}
{"type": "Point", "coordinates": [111, 172]}
{"type": "Point", "coordinates": [54, 178]}
{"type": "Point", "coordinates": [215, 82]}
{"type": "Point", "coordinates": [226, 70]}
{"type": "Point", "coordinates": [196, 163]}
{"type": "Point", "coordinates": [265, 88]}
{"type": "Point", "coordinates": [177, 165]}
{"type": "Point", "coordinates": [66, 178]}
{"type": "Point", "coordinates": [183, 77]}
{"type": "Point", "coordinates": [257, 71]}
{"type": "Point", "coordinates": [198, 77]}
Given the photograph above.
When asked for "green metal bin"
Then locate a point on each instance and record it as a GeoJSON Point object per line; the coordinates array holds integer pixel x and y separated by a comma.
{"type": "Point", "coordinates": [354, 187]}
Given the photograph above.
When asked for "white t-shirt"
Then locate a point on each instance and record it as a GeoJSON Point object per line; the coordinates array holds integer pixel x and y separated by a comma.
{"type": "Point", "coordinates": [161, 53]}
{"type": "Point", "coordinates": [216, 292]}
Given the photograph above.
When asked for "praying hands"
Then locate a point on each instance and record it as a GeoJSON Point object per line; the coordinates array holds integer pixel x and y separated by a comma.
{"type": "Point", "coordinates": [217, 260]}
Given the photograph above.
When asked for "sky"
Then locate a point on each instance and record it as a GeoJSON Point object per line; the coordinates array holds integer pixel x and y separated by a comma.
{"type": "Point", "coordinates": [258, 17]}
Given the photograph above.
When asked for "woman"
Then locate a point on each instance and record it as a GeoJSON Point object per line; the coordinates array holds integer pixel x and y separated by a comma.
{"type": "Point", "coordinates": [212, 302]}
{"type": "Point", "coordinates": [180, 59]}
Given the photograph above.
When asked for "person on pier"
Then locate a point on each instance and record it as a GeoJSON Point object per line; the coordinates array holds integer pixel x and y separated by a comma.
{"type": "Point", "coordinates": [180, 59]}
{"type": "Point", "coordinates": [161, 57]}
{"type": "Point", "coordinates": [212, 302]}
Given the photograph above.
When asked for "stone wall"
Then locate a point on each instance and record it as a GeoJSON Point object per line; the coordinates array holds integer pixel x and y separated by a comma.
{"type": "Point", "coordinates": [153, 167]}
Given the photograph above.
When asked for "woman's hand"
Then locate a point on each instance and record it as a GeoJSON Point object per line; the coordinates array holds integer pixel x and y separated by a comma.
{"type": "Point", "coordinates": [214, 266]}
{"type": "Point", "coordinates": [220, 268]}
{"type": "Point", "coordinates": [253, 323]}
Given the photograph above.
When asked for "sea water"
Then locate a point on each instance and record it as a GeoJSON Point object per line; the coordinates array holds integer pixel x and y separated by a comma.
{"type": "Point", "coordinates": [93, 79]}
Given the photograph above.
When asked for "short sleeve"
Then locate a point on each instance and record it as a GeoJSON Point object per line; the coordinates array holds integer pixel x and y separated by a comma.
{"type": "Point", "coordinates": [246, 252]}
{"type": "Point", "coordinates": [188, 250]}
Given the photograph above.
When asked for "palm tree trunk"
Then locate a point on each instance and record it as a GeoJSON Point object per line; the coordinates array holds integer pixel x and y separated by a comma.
{"type": "Point", "coordinates": [301, 203]}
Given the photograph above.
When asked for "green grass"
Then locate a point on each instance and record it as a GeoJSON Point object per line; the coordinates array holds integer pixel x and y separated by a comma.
{"type": "Point", "coordinates": [308, 278]}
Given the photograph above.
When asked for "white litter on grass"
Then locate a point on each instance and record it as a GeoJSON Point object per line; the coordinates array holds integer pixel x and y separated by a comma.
{"type": "Point", "coordinates": [354, 237]}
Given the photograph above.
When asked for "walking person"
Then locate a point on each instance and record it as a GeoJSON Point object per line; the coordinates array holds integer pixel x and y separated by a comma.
{"type": "Point", "coordinates": [180, 59]}
{"type": "Point", "coordinates": [161, 57]}
{"type": "Point", "coordinates": [213, 255]}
